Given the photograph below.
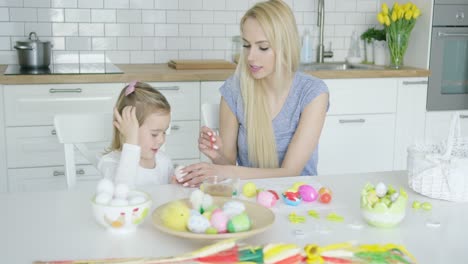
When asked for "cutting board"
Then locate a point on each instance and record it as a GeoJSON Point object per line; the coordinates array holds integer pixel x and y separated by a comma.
{"type": "Point", "coordinates": [200, 64]}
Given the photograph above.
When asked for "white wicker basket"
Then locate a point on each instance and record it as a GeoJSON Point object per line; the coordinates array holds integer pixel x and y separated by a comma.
{"type": "Point", "coordinates": [441, 170]}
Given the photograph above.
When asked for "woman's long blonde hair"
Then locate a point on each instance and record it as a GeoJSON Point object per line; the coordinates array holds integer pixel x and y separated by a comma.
{"type": "Point", "coordinates": [147, 100]}
{"type": "Point", "coordinates": [278, 22]}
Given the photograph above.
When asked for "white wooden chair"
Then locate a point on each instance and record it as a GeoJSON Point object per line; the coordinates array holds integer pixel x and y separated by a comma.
{"type": "Point", "coordinates": [80, 130]}
{"type": "Point", "coordinates": [210, 114]}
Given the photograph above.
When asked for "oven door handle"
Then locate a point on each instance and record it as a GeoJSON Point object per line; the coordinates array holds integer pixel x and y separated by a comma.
{"type": "Point", "coordinates": [444, 34]}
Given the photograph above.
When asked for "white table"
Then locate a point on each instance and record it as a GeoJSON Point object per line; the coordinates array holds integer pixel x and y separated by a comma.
{"type": "Point", "coordinates": [60, 225]}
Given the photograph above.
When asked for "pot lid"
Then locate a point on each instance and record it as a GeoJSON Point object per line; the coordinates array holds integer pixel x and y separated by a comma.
{"type": "Point", "coordinates": [33, 38]}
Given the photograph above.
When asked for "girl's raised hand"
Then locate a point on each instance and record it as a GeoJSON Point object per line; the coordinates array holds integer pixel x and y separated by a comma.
{"type": "Point", "coordinates": [127, 124]}
{"type": "Point", "coordinates": [209, 143]}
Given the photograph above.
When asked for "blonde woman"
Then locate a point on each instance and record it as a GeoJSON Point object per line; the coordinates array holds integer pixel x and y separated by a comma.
{"type": "Point", "coordinates": [141, 117]}
{"type": "Point", "coordinates": [271, 115]}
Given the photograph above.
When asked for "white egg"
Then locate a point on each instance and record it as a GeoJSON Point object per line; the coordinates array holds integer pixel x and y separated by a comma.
{"type": "Point", "coordinates": [136, 200]}
{"type": "Point", "coordinates": [233, 208]}
{"type": "Point", "coordinates": [381, 189]}
{"type": "Point", "coordinates": [119, 202]}
{"type": "Point", "coordinates": [121, 191]}
{"type": "Point", "coordinates": [103, 198]}
{"type": "Point", "coordinates": [394, 196]}
{"type": "Point", "coordinates": [105, 186]}
{"type": "Point", "coordinates": [178, 172]}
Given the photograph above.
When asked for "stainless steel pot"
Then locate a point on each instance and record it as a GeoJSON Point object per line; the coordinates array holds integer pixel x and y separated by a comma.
{"type": "Point", "coordinates": [34, 53]}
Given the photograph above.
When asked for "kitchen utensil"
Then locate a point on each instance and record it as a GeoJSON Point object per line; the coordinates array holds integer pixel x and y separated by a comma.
{"type": "Point", "coordinates": [34, 53]}
{"type": "Point", "coordinates": [200, 64]}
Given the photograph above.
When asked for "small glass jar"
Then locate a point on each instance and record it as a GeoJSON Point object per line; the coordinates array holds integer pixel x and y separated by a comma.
{"type": "Point", "coordinates": [236, 48]}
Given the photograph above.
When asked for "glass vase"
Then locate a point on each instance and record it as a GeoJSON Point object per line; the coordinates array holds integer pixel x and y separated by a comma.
{"type": "Point", "coordinates": [397, 44]}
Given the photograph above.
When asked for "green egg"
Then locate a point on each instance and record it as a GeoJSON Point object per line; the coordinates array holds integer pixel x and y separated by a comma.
{"type": "Point", "coordinates": [239, 223]}
{"type": "Point", "coordinates": [211, 231]}
{"type": "Point", "coordinates": [416, 205]}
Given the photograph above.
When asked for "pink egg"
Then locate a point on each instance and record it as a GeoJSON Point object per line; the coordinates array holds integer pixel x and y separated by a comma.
{"type": "Point", "coordinates": [266, 199]}
{"type": "Point", "coordinates": [219, 220]}
{"type": "Point", "coordinates": [308, 193]}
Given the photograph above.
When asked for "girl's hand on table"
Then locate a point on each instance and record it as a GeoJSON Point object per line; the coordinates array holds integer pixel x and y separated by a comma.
{"type": "Point", "coordinates": [127, 124]}
{"type": "Point", "coordinates": [196, 173]}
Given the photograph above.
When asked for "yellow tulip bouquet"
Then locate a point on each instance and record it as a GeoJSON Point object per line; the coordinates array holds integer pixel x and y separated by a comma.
{"type": "Point", "coordinates": [398, 23]}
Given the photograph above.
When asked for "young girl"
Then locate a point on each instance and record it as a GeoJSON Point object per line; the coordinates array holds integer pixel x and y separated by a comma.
{"type": "Point", "coordinates": [271, 115]}
{"type": "Point", "coordinates": [141, 118]}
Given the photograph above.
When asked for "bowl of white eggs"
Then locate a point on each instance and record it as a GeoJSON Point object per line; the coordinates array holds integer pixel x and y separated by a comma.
{"type": "Point", "coordinates": [119, 209]}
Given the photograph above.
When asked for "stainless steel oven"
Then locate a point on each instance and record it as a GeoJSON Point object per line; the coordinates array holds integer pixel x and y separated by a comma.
{"type": "Point", "coordinates": [448, 83]}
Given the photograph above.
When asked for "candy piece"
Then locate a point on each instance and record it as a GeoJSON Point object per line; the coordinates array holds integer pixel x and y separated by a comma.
{"type": "Point", "coordinates": [105, 186]}
{"type": "Point", "coordinates": [314, 214]}
{"type": "Point", "coordinates": [381, 189]}
{"type": "Point", "coordinates": [197, 224]}
{"type": "Point", "coordinates": [335, 217]}
{"type": "Point", "coordinates": [266, 199]}
{"type": "Point", "coordinates": [121, 191]}
{"type": "Point", "coordinates": [249, 189]}
{"type": "Point", "coordinates": [211, 231]}
{"type": "Point", "coordinates": [296, 185]}
{"type": "Point", "coordinates": [325, 195]}
{"type": "Point", "coordinates": [178, 172]}
{"type": "Point", "coordinates": [426, 206]}
{"type": "Point", "coordinates": [416, 205]}
{"type": "Point", "coordinates": [219, 220]}
{"type": "Point", "coordinates": [296, 219]}
{"type": "Point", "coordinates": [308, 193]}
{"type": "Point", "coordinates": [394, 196]}
{"type": "Point", "coordinates": [103, 198]}
{"type": "Point", "coordinates": [239, 223]}
{"type": "Point", "coordinates": [291, 198]}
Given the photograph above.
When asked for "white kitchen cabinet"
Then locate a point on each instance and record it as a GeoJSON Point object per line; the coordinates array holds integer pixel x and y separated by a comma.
{"type": "Point", "coordinates": [184, 98]}
{"type": "Point", "coordinates": [3, 155]}
{"type": "Point", "coordinates": [438, 124]}
{"type": "Point", "coordinates": [410, 117]}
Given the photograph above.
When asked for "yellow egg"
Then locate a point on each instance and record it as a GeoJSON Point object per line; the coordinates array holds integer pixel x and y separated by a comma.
{"type": "Point", "coordinates": [249, 189]}
{"type": "Point", "coordinates": [296, 185]}
{"type": "Point", "coordinates": [175, 215]}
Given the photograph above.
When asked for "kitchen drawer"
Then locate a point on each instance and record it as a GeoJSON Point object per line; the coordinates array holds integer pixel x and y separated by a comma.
{"type": "Point", "coordinates": [356, 143]}
{"type": "Point", "coordinates": [39, 146]}
{"type": "Point", "coordinates": [50, 178]}
{"type": "Point", "coordinates": [29, 105]}
{"type": "Point", "coordinates": [362, 96]}
{"type": "Point", "coordinates": [184, 98]}
{"type": "Point", "coordinates": [182, 142]}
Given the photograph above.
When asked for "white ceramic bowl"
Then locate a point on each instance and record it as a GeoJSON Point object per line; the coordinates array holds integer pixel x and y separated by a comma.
{"type": "Point", "coordinates": [122, 219]}
{"type": "Point", "coordinates": [383, 216]}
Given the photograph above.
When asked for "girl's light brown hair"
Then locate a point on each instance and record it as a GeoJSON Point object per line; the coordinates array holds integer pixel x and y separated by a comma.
{"type": "Point", "coordinates": [147, 100]}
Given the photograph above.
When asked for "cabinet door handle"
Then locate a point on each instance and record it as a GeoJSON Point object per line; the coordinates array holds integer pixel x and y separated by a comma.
{"type": "Point", "coordinates": [444, 34]}
{"type": "Point", "coordinates": [359, 120]}
{"type": "Point", "coordinates": [75, 90]}
{"type": "Point", "coordinates": [463, 116]}
{"type": "Point", "coordinates": [62, 173]}
{"type": "Point", "coordinates": [175, 127]}
{"type": "Point", "coordinates": [53, 132]}
{"type": "Point", "coordinates": [414, 82]}
{"type": "Point", "coordinates": [168, 88]}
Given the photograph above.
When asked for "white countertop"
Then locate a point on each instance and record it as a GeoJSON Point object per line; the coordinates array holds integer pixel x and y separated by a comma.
{"type": "Point", "coordinates": [60, 225]}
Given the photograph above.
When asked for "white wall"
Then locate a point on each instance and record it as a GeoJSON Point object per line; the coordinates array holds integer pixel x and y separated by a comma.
{"type": "Point", "coordinates": [147, 31]}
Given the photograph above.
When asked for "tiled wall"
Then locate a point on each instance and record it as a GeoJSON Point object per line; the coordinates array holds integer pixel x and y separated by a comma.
{"type": "Point", "coordinates": [153, 31]}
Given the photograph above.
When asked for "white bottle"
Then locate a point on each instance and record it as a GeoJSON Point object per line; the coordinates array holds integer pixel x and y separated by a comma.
{"type": "Point", "coordinates": [306, 51]}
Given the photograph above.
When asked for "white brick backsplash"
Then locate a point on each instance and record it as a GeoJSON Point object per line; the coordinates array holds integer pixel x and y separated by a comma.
{"type": "Point", "coordinates": [4, 14]}
{"type": "Point", "coordinates": [201, 17]}
{"type": "Point", "coordinates": [153, 16]}
{"type": "Point", "coordinates": [166, 30]}
{"type": "Point", "coordinates": [11, 29]}
{"type": "Point", "coordinates": [5, 43]}
{"type": "Point", "coordinates": [129, 16]}
{"type": "Point", "coordinates": [116, 30]}
{"type": "Point", "coordinates": [153, 43]}
{"type": "Point", "coordinates": [128, 43]}
{"type": "Point", "coordinates": [142, 30]}
{"type": "Point", "coordinates": [213, 54]}
{"type": "Point", "coordinates": [224, 17]}
{"type": "Point", "coordinates": [222, 43]}
{"type": "Point", "coordinates": [232, 30]}
{"type": "Point", "coordinates": [36, 3]}
{"type": "Point", "coordinates": [58, 43]}
{"type": "Point", "coordinates": [165, 4]}
{"type": "Point", "coordinates": [299, 16]}
{"type": "Point", "coordinates": [92, 57]}
{"type": "Point", "coordinates": [165, 56]}
{"type": "Point", "coordinates": [116, 4]}
{"type": "Point", "coordinates": [77, 15]}
{"type": "Point", "coordinates": [191, 4]}
{"type": "Point", "coordinates": [23, 14]}
{"type": "Point", "coordinates": [190, 54]}
{"type": "Point", "coordinates": [344, 30]}
{"type": "Point", "coordinates": [64, 3]}
{"type": "Point", "coordinates": [355, 18]}
{"type": "Point", "coordinates": [8, 57]}
{"type": "Point", "coordinates": [12, 3]}
{"type": "Point", "coordinates": [367, 6]}
{"type": "Point", "coordinates": [91, 29]}
{"type": "Point", "coordinates": [214, 4]}
{"type": "Point", "coordinates": [335, 18]}
{"type": "Point", "coordinates": [178, 17]}
{"type": "Point", "coordinates": [345, 5]}
{"type": "Point", "coordinates": [50, 15]}
{"type": "Point", "coordinates": [141, 56]}
{"type": "Point", "coordinates": [304, 5]}
{"type": "Point", "coordinates": [65, 29]}
{"type": "Point", "coordinates": [142, 4]}
{"type": "Point", "coordinates": [310, 18]}
{"type": "Point", "coordinates": [41, 29]}
{"type": "Point", "coordinates": [104, 16]}
{"type": "Point", "coordinates": [201, 43]}
{"type": "Point", "coordinates": [122, 57]}
{"type": "Point", "coordinates": [190, 30]}
{"type": "Point", "coordinates": [371, 19]}
{"type": "Point", "coordinates": [65, 57]}
{"type": "Point", "coordinates": [109, 43]}
{"type": "Point", "coordinates": [90, 3]}
{"type": "Point", "coordinates": [78, 43]}
{"type": "Point", "coordinates": [214, 30]}
{"type": "Point", "coordinates": [237, 5]}
{"type": "Point", "coordinates": [178, 43]}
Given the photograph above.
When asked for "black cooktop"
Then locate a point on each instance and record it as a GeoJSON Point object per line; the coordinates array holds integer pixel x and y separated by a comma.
{"type": "Point", "coordinates": [65, 68]}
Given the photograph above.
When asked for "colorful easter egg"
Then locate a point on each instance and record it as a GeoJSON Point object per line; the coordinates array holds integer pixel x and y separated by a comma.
{"type": "Point", "coordinates": [239, 223]}
{"type": "Point", "coordinates": [308, 193]}
{"type": "Point", "coordinates": [175, 215]}
{"type": "Point", "coordinates": [266, 199]}
{"type": "Point", "coordinates": [232, 208]}
{"type": "Point", "coordinates": [325, 195]}
{"type": "Point", "coordinates": [197, 223]}
{"type": "Point", "coordinates": [219, 220]}
{"type": "Point", "coordinates": [249, 189]}
{"type": "Point", "coordinates": [291, 198]}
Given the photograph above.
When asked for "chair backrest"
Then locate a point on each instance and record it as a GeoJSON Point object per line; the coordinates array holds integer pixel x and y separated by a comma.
{"type": "Point", "coordinates": [80, 130]}
{"type": "Point", "coordinates": [210, 114]}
